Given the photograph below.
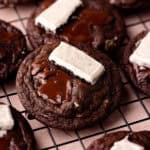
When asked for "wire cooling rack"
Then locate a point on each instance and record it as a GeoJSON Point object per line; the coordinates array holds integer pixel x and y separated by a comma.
{"type": "Point", "coordinates": [133, 113]}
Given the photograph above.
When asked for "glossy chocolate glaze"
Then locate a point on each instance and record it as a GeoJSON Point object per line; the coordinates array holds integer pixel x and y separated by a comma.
{"type": "Point", "coordinates": [85, 27]}
{"type": "Point", "coordinates": [56, 86]}
{"type": "Point", "coordinates": [8, 38]}
{"type": "Point", "coordinates": [4, 144]}
{"type": "Point", "coordinates": [5, 39]}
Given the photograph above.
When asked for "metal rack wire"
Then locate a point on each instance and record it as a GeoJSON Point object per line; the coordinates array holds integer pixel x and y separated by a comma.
{"type": "Point", "coordinates": [133, 113]}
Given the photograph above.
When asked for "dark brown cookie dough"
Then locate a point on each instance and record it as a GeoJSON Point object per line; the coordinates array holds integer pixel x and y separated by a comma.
{"type": "Point", "coordinates": [12, 49]}
{"type": "Point", "coordinates": [94, 24]}
{"type": "Point", "coordinates": [141, 138]}
{"type": "Point", "coordinates": [139, 76]}
{"type": "Point", "coordinates": [20, 137]}
{"type": "Point", "coordinates": [59, 99]}
{"type": "Point", "coordinates": [130, 4]}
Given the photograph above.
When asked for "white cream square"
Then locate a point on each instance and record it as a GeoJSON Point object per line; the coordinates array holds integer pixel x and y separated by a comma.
{"type": "Point", "coordinates": [77, 62]}
{"type": "Point", "coordinates": [57, 14]}
{"type": "Point", "coordinates": [6, 119]}
{"type": "Point", "coordinates": [141, 56]}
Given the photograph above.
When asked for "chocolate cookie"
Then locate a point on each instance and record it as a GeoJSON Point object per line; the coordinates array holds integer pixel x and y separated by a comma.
{"type": "Point", "coordinates": [20, 137]}
{"type": "Point", "coordinates": [12, 2]}
{"type": "Point", "coordinates": [12, 49]}
{"type": "Point", "coordinates": [141, 138]}
{"type": "Point", "coordinates": [139, 76]}
{"type": "Point", "coordinates": [59, 99]}
{"type": "Point", "coordinates": [94, 24]}
{"type": "Point", "coordinates": [130, 4]}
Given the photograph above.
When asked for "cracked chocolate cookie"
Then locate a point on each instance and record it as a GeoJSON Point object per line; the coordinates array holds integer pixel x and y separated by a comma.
{"type": "Point", "coordinates": [138, 73]}
{"type": "Point", "coordinates": [15, 132]}
{"type": "Point", "coordinates": [12, 49]}
{"type": "Point", "coordinates": [121, 140]}
{"type": "Point", "coordinates": [58, 98]}
{"type": "Point", "coordinates": [95, 23]}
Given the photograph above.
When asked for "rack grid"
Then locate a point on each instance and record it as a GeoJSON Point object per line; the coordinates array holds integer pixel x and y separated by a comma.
{"type": "Point", "coordinates": [133, 114]}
